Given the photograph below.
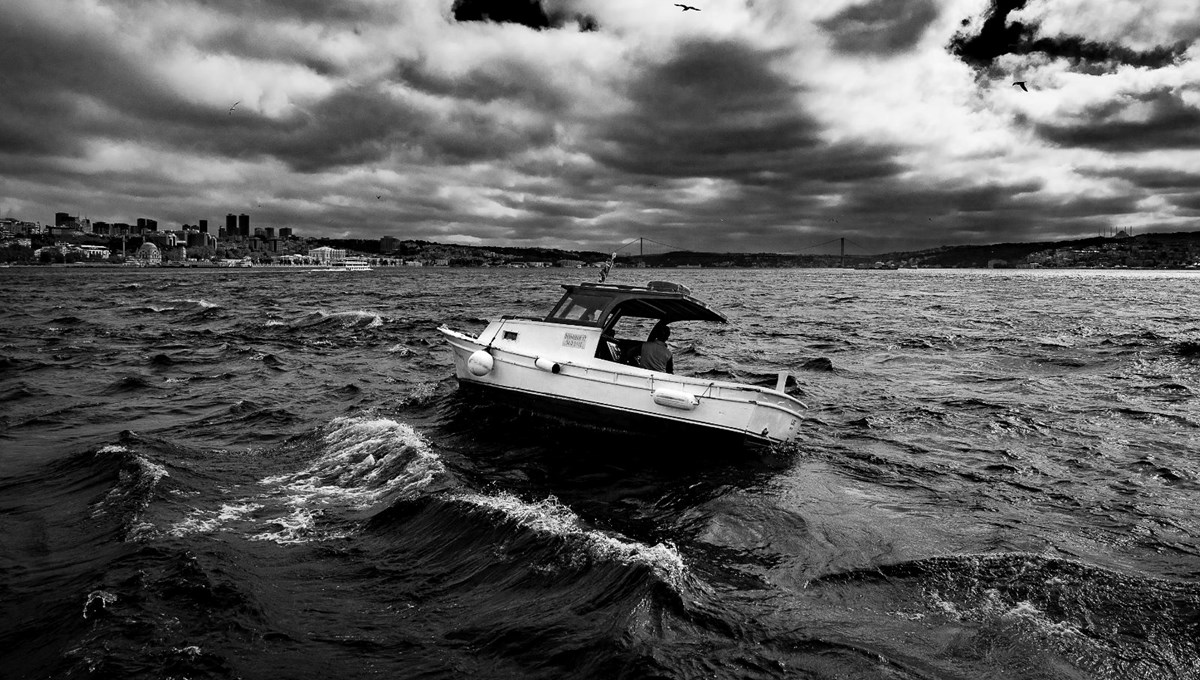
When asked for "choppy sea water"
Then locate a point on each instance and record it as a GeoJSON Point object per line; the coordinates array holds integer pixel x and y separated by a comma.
{"type": "Point", "coordinates": [266, 474]}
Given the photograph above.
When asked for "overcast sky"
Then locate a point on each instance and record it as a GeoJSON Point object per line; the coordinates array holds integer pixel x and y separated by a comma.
{"type": "Point", "coordinates": [748, 125]}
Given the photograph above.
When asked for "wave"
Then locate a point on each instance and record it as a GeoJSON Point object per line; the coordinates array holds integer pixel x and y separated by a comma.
{"type": "Point", "coordinates": [1188, 348]}
{"type": "Point", "coordinates": [21, 391]}
{"type": "Point", "coordinates": [68, 320]}
{"type": "Point", "coordinates": [129, 383]}
{"type": "Point", "coordinates": [150, 309]}
{"type": "Point", "coordinates": [195, 304]}
{"type": "Point", "coordinates": [270, 361]}
{"type": "Point", "coordinates": [350, 319]}
{"type": "Point", "coordinates": [1113, 625]}
{"type": "Point", "coordinates": [551, 518]}
{"type": "Point", "coordinates": [363, 462]}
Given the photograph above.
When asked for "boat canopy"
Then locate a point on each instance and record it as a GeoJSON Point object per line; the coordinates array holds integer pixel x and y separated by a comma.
{"type": "Point", "coordinates": [599, 304]}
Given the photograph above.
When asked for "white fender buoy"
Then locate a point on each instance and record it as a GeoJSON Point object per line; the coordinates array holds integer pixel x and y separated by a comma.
{"type": "Point", "coordinates": [480, 363]}
{"type": "Point", "coordinates": [675, 399]}
{"type": "Point", "coordinates": [547, 365]}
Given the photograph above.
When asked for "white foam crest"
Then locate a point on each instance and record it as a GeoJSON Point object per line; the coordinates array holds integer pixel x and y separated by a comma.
{"type": "Point", "coordinates": [366, 459]}
{"type": "Point", "coordinates": [201, 521]}
{"type": "Point", "coordinates": [136, 485]}
{"type": "Point", "coordinates": [549, 516]}
{"type": "Point", "coordinates": [151, 469]}
{"type": "Point", "coordinates": [297, 527]}
{"type": "Point", "coordinates": [355, 316]}
{"type": "Point", "coordinates": [113, 448]}
{"type": "Point", "coordinates": [993, 607]}
{"type": "Point", "coordinates": [203, 304]}
{"type": "Point", "coordinates": [274, 322]}
{"type": "Point", "coordinates": [103, 598]}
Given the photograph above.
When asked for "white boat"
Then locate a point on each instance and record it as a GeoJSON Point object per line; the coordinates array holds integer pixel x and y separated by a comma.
{"type": "Point", "coordinates": [347, 264]}
{"type": "Point", "coordinates": [575, 363]}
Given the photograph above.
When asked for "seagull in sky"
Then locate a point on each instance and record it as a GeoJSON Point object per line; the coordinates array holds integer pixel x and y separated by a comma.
{"type": "Point", "coordinates": [234, 106]}
{"type": "Point", "coordinates": [684, 8]}
{"type": "Point", "coordinates": [1021, 84]}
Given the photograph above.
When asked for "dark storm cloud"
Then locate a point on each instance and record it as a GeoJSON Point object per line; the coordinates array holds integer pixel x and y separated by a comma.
{"type": "Point", "coordinates": [355, 125]}
{"type": "Point", "coordinates": [1160, 179]}
{"type": "Point", "coordinates": [1159, 119]}
{"type": "Point", "coordinates": [317, 11]}
{"type": "Point", "coordinates": [998, 36]}
{"type": "Point", "coordinates": [499, 79]}
{"type": "Point", "coordinates": [364, 125]}
{"type": "Point", "coordinates": [1179, 188]}
{"type": "Point", "coordinates": [716, 109]}
{"type": "Point", "coordinates": [1189, 202]}
{"type": "Point", "coordinates": [897, 214]}
{"type": "Point", "coordinates": [49, 77]}
{"type": "Point", "coordinates": [528, 13]}
{"type": "Point", "coordinates": [880, 26]}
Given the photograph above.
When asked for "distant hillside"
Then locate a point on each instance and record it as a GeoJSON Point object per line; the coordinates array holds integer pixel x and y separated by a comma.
{"type": "Point", "coordinates": [1144, 250]}
{"type": "Point", "coordinates": [1171, 250]}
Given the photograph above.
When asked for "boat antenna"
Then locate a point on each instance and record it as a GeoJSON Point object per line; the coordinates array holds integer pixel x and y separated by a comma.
{"type": "Point", "coordinates": [607, 266]}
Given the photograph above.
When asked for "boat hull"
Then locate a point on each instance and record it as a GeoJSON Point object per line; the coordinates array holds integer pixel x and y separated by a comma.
{"type": "Point", "coordinates": [622, 398]}
{"type": "Point", "coordinates": [608, 420]}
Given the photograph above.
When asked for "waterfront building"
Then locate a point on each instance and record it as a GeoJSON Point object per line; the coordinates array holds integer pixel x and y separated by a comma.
{"type": "Point", "coordinates": [148, 254]}
{"type": "Point", "coordinates": [90, 252]}
{"type": "Point", "coordinates": [69, 230]}
{"type": "Point", "coordinates": [326, 255]}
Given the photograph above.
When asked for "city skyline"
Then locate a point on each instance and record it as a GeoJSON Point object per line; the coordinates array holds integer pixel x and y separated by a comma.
{"type": "Point", "coordinates": [580, 124]}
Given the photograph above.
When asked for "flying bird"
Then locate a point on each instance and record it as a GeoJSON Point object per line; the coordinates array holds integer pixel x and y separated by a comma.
{"type": "Point", "coordinates": [234, 106]}
{"type": "Point", "coordinates": [1021, 84]}
{"type": "Point", "coordinates": [684, 8]}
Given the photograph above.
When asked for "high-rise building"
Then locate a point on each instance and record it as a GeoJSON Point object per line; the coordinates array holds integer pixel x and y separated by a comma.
{"type": "Point", "coordinates": [285, 232]}
{"type": "Point", "coordinates": [62, 218]}
{"type": "Point", "coordinates": [203, 226]}
{"type": "Point", "coordinates": [243, 224]}
{"type": "Point", "coordinates": [231, 225]}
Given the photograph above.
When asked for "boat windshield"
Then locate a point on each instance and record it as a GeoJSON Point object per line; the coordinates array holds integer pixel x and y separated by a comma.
{"type": "Point", "coordinates": [580, 307]}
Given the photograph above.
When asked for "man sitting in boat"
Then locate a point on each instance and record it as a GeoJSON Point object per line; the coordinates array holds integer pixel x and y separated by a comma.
{"type": "Point", "coordinates": [656, 356]}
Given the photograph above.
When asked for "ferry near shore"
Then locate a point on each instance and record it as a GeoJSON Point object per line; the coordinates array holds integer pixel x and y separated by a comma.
{"type": "Point", "coordinates": [347, 264]}
{"type": "Point", "coordinates": [581, 363]}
